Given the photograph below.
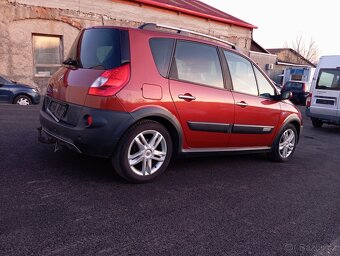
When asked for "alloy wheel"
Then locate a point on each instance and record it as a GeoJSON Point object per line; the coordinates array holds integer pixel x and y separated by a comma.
{"type": "Point", "coordinates": [147, 152]}
{"type": "Point", "coordinates": [287, 143]}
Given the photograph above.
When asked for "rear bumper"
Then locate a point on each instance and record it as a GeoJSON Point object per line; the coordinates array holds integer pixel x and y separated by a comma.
{"type": "Point", "coordinates": [98, 139]}
{"type": "Point", "coordinates": [324, 118]}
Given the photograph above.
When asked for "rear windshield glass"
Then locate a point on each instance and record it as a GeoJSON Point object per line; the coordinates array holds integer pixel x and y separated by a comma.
{"type": "Point", "coordinates": [293, 86]}
{"type": "Point", "coordinates": [328, 79]}
{"type": "Point", "coordinates": [101, 48]}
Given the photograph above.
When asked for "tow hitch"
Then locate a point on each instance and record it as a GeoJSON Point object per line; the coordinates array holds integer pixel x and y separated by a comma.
{"type": "Point", "coordinates": [59, 143]}
{"type": "Point", "coordinates": [44, 137]}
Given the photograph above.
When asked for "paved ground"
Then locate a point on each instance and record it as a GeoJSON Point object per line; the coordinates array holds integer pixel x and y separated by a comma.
{"type": "Point", "coordinates": [68, 204]}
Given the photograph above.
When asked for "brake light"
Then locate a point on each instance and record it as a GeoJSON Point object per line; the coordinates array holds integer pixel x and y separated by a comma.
{"type": "Point", "coordinates": [111, 81]}
{"type": "Point", "coordinates": [309, 100]}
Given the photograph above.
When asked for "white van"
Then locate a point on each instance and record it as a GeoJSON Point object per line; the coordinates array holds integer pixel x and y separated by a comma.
{"type": "Point", "coordinates": [323, 103]}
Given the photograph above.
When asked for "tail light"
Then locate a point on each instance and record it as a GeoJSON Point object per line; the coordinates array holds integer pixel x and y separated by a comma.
{"type": "Point", "coordinates": [49, 91]}
{"type": "Point", "coordinates": [111, 81]}
{"type": "Point", "coordinates": [309, 100]}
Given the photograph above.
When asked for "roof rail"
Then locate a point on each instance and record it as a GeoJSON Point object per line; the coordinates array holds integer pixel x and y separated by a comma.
{"type": "Point", "coordinates": [154, 26]}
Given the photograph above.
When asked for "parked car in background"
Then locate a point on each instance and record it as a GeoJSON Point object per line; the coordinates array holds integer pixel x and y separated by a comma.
{"type": "Point", "coordinates": [299, 89]}
{"type": "Point", "coordinates": [14, 93]}
{"type": "Point", "coordinates": [141, 96]}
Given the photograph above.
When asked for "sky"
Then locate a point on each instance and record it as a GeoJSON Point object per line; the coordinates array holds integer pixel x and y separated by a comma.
{"type": "Point", "coordinates": [280, 22]}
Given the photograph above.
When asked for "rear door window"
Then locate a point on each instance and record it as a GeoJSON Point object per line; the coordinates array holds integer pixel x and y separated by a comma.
{"type": "Point", "coordinates": [197, 63]}
{"type": "Point", "coordinates": [328, 79]}
{"type": "Point", "coordinates": [161, 49]}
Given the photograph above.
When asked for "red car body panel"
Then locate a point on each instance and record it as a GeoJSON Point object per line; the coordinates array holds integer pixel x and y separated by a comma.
{"type": "Point", "coordinates": [258, 112]}
{"type": "Point", "coordinates": [211, 105]}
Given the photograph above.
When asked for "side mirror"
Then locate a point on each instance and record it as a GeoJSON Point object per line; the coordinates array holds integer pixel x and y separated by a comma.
{"type": "Point", "coordinates": [286, 95]}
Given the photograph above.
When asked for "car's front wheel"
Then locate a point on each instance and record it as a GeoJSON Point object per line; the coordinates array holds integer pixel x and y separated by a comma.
{"type": "Point", "coordinates": [285, 143]}
{"type": "Point", "coordinates": [144, 152]}
{"type": "Point", "coordinates": [22, 100]}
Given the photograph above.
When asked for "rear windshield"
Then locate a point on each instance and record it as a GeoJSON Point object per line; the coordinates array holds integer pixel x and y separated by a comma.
{"type": "Point", "coordinates": [328, 79]}
{"type": "Point", "coordinates": [100, 48]}
{"type": "Point", "coordinates": [293, 86]}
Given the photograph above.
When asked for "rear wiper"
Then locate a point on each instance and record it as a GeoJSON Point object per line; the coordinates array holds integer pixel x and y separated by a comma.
{"type": "Point", "coordinates": [70, 62]}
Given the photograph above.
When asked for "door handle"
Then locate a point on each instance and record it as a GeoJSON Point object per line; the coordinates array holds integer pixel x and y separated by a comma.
{"type": "Point", "coordinates": [187, 97]}
{"type": "Point", "coordinates": [242, 104]}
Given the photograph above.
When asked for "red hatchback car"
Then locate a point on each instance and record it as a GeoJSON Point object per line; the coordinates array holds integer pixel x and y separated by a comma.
{"type": "Point", "coordinates": [141, 96]}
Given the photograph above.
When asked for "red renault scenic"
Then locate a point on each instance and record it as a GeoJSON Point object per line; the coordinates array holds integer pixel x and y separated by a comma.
{"type": "Point", "coordinates": [141, 96]}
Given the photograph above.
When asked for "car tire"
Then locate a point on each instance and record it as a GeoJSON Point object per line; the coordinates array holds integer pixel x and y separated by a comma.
{"type": "Point", "coordinates": [285, 144]}
{"type": "Point", "coordinates": [317, 123]}
{"type": "Point", "coordinates": [143, 153]}
{"type": "Point", "coordinates": [23, 100]}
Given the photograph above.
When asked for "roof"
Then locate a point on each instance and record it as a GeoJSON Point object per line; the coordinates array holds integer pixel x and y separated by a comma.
{"type": "Point", "coordinates": [198, 9]}
{"type": "Point", "coordinates": [257, 47]}
{"type": "Point", "coordinates": [276, 51]}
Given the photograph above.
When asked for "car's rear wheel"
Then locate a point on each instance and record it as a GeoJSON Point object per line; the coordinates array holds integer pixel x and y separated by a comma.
{"type": "Point", "coordinates": [317, 123]}
{"type": "Point", "coordinates": [285, 144]}
{"type": "Point", "coordinates": [144, 152]}
{"type": "Point", "coordinates": [22, 100]}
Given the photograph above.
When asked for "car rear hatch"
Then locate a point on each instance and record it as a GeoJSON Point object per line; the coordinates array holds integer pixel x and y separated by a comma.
{"type": "Point", "coordinates": [97, 64]}
{"type": "Point", "coordinates": [325, 97]}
